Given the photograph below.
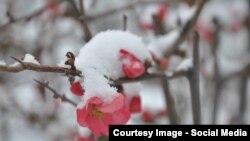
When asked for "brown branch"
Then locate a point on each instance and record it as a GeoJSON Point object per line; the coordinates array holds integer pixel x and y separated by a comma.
{"type": "Point", "coordinates": [125, 19]}
{"type": "Point", "coordinates": [217, 76]}
{"type": "Point", "coordinates": [193, 77]}
{"type": "Point", "coordinates": [187, 28]}
{"type": "Point", "coordinates": [175, 74]}
{"type": "Point", "coordinates": [56, 94]}
{"type": "Point", "coordinates": [170, 103]}
{"type": "Point", "coordinates": [84, 21]}
{"type": "Point", "coordinates": [38, 68]}
{"type": "Point", "coordinates": [122, 8]}
{"type": "Point", "coordinates": [27, 17]}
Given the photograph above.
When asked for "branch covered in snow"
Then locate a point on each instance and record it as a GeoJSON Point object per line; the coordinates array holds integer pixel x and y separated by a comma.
{"type": "Point", "coordinates": [56, 94]}
{"type": "Point", "coordinates": [187, 28]}
{"type": "Point", "coordinates": [23, 65]}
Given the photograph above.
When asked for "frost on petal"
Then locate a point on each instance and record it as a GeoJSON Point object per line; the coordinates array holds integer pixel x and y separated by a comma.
{"type": "Point", "coordinates": [77, 89]}
{"type": "Point", "coordinates": [185, 65]}
{"type": "Point", "coordinates": [30, 59]}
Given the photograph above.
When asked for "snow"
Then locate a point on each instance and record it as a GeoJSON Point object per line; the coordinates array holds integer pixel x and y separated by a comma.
{"type": "Point", "coordinates": [100, 57]}
{"type": "Point", "coordinates": [161, 44]}
{"type": "Point", "coordinates": [185, 65]}
{"type": "Point", "coordinates": [2, 63]}
{"type": "Point", "coordinates": [84, 132]}
{"type": "Point", "coordinates": [132, 89]}
{"type": "Point", "coordinates": [30, 59]}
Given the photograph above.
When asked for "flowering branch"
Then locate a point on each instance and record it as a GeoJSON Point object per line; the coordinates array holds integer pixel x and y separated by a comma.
{"type": "Point", "coordinates": [56, 94]}
{"type": "Point", "coordinates": [187, 28]}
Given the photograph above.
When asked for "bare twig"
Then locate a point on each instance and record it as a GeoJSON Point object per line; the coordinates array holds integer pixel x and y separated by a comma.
{"type": "Point", "coordinates": [217, 76]}
{"type": "Point", "coordinates": [175, 74]}
{"type": "Point", "coordinates": [125, 19]}
{"type": "Point", "coordinates": [56, 94]}
{"type": "Point", "coordinates": [243, 97]}
{"type": "Point", "coordinates": [122, 8]}
{"type": "Point", "coordinates": [158, 25]}
{"type": "Point", "coordinates": [27, 17]}
{"type": "Point", "coordinates": [187, 28]}
{"type": "Point", "coordinates": [193, 78]}
{"type": "Point", "coordinates": [84, 21]}
{"type": "Point", "coordinates": [174, 119]}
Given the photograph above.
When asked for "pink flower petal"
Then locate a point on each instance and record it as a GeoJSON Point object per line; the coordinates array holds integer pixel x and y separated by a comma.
{"type": "Point", "coordinates": [97, 126]}
{"type": "Point", "coordinates": [135, 104]}
{"type": "Point", "coordinates": [81, 115]}
{"type": "Point", "coordinates": [121, 116]}
{"type": "Point", "coordinates": [77, 89]}
{"type": "Point", "coordinates": [115, 105]}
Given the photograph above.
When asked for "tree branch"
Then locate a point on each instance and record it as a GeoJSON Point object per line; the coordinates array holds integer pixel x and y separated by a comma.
{"type": "Point", "coordinates": [119, 9]}
{"type": "Point", "coordinates": [27, 17]}
{"type": "Point", "coordinates": [174, 74]}
{"type": "Point", "coordinates": [37, 67]}
{"type": "Point", "coordinates": [84, 21]}
{"type": "Point", "coordinates": [56, 94]}
{"type": "Point", "coordinates": [188, 27]}
{"type": "Point", "coordinates": [194, 82]}
{"type": "Point", "coordinates": [170, 104]}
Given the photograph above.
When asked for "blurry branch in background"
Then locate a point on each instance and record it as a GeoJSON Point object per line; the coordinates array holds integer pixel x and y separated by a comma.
{"type": "Point", "coordinates": [193, 78]}
{"type": "Point", "coordinates": [25, 18]}
{"type": "Point", "coordinates": [56, 94]}
{"type": "Point", "coordinates": [170, 103]}
{"type": "Point", "coordinates": [216, 77]}
{"type": "Point", "coordinates": [158, 25]}
{"type": "Point", "coordinates": [171, 75]}
{"type": "Point", "coordinates": [187, 28]}
{"type": "Point", "coordinates": [124, 21]}
{"type": "Point", "coordinates": [84, 21]}
{"type": "Point", "coordinates": [121, 8]}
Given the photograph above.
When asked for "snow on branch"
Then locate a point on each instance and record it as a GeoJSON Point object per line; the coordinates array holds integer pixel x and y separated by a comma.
{"type": "Point", "coordinates": [187, 28]}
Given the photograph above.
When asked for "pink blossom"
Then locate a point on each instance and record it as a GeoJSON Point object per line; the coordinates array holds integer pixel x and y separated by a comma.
{"type": "Point", "coordinates": [131, 65]}
{"type": "Point", "coordinates": [77, 89]}
{"type": "Point", "coordinates": [97, 116]}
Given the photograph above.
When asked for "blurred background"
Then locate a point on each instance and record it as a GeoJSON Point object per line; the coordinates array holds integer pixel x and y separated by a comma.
{"type": "Point", "coordinates": [48, 29]}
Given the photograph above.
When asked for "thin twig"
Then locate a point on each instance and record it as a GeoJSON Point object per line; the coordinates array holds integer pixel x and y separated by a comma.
{"type": "Point", "coordinates": [175, 74]}
{"type": "Point", "coordinates": [56, 94]}
{"type": "Point", "coordinates": [84, 21]}
{"type": "Point", "coordinates": [170, 106]}
{"type": "Point", "coordinates": [125, 19]}
{"type": "Point", "coordinates": [27, 17]}
{"type": "Point", "coordinates": [122, 8]}
{"type": "Point", "coordinates": [158, 25]}
{"type": "Point", "coordinates": [217, 77]}
{"type": "Point", "coordinates": [187, 28]}
{"type": "Point", "coordinates": [193, 78]}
